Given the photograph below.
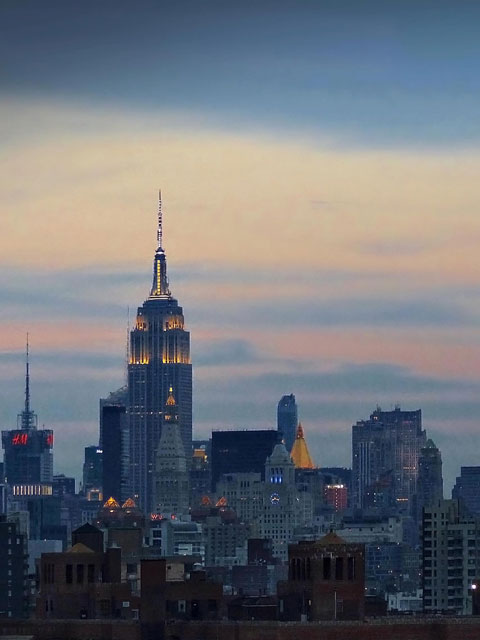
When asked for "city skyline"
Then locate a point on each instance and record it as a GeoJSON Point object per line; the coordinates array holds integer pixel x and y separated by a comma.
{"type": "Point", "coordinates": [321, 199]}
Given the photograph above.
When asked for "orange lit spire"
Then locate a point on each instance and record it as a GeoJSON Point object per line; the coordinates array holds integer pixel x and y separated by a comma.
{"type": "Point", "coordinates": [300, 453]}
{"type": "Point", "coordinates": [160, 281]}
{"type": "Point", "coordinates": [170, 400]}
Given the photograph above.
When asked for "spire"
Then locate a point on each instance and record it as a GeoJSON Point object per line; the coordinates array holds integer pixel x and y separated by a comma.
{"type": "Point", "coordinates": [170, 400]}
{"type": "Point", "coordinates": [160, 281]}
{"type": "Point", "coordinates": [160, 221]}
{"type": "Point", "coordinates": [300, 453]}
{"type": "Point", "coordinates": [27, 419]}
{"type": "Point", "coordinates": [171, 410]}
{"type": "Point", "coordinates": [27, 382]}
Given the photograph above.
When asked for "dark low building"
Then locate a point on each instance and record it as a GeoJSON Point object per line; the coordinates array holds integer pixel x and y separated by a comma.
{"type": "Point", "coordinates": [169, 593]}
{"type": "Point", "coordinates": [241, 451]}
{"type": "Point", "coordinates": [13, 571]}
{"type": "Point", "coordinates": [326, 581]}
{"type": "Point", "coordinates": [83, 583]}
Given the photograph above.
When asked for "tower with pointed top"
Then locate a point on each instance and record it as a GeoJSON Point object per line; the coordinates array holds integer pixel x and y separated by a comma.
{"type": "Point", "coordinates": [28, 455]}
{"type": "Point", "coordinates": [159, 359]}
{"type": "Point", "coordinates": [300, 454]}
{"type": "Point", "coordinates": [171, 490]}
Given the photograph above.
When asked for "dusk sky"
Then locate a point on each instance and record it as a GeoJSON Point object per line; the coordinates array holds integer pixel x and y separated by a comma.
{"type": "Point", "coordinates": [319, 163]}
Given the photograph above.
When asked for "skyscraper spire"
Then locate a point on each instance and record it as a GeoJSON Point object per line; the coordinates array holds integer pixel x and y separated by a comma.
{"type": "Point", "coordinates": [27, 419]}
{"type": "Point", "coordinates": [160, 221]}
{"type": "Point", "coordinates": [27, 381]}
{"type": "Point", "coordinates": [160, 281]}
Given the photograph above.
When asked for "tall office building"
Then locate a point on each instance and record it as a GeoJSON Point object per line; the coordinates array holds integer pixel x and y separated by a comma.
{"type": "Point", "coordinates": [450, 557]}
{"type": "Point", "coordinates": [116, 452]}
{"type": "Point", "coordinates": [386, 448]}
{"type": "Point", "coordinates": [430, 480]}
{"type": "Point", "coordinates": [287, 420]}
{"type": "Point", "coordinates": [467, 489]}
{"type": "Point", "coordinates": [93, 473]}
{"type": "Point", "coordinates": [28, 459]}
{"type": "Point", "coordinates": [159, 359]}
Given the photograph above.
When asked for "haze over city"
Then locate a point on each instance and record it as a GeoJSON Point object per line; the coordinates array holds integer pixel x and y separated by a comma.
{"type": "Point", "coordinates": [319, 166]}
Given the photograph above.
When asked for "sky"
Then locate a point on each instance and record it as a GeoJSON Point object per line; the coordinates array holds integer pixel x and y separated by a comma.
{"type": "Point", "coordinates": [319, 166]}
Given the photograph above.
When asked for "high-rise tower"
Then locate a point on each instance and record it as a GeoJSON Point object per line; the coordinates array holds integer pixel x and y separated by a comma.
{"type": "Point", "coordinates": [28, 451]}
{"type": "Point", "coordinates": [386, 448]}
{"type": "Point", "coordinates": [159, 359]}
{"type": "Point", "coordinates": [287, 420]}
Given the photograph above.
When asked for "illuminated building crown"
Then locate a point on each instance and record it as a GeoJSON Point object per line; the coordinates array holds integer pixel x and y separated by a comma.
{"type": "Point", "coordinates": [300, 453]}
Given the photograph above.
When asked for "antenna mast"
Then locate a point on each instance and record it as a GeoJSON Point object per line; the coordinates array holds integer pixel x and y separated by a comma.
{"type": "Point", "coordinates": [160, 221]}
{"type": "Point", "coordinates": [27, 383]}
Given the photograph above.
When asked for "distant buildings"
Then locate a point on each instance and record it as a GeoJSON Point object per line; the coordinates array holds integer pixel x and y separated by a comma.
{"type": "Point", "coordinates": [284, 507]}
{"type": "Point", "coordinates": [287, 420]}
{"type": "Point", "coordinates": [115, 452]}
{"type": "Point", "coordinates": [13, 570]}
{"type": "Point", "coordinates": [159, 359]}
{"type": "Point", "coordinates": [326, 581]}
{"type": "Point", "coordinates": [93, 473]}
{"type": "Point", "coordinates": [467, 489]}
{"type": "Point", "coordinates": [385, 459]}
{"type": "Point", "coordinates": [28, 457]}
{"type": "Point", "coordinates": [241, 451]}
{"type": "Point", "coordinates": [430, 479]}
{"type": "Point", "coordinates": [450, 557]}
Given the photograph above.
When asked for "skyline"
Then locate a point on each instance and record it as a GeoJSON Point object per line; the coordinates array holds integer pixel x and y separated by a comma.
{"type": "Point", "coordinates": [319, 192]}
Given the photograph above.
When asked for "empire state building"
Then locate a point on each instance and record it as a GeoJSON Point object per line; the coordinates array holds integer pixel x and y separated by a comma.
{"type": "Point", "coordinates": [159, 359]}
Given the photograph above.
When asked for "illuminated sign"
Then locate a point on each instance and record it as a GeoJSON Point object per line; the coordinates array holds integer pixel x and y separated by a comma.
{"type": "Point", "coordinates": [49, 440]}
{"type": "Point", "coordinates": [20, 439]}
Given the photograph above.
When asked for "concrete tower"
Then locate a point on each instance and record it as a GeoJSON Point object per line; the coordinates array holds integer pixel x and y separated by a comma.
{"type": "Point", "coordinates": [171, 475]}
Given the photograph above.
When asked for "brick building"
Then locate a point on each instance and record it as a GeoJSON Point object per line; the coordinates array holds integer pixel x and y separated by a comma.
{"type": "Point", "coordinates": [326, 581]}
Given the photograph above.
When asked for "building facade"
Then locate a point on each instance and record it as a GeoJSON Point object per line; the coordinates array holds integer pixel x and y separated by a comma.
{"type": "Point", "coordinates": [386, 450]}
{"type": "Point", "coordinates": [467, 489]}
{"type": "Point", "coordinates": [116, 452]}
{"type": "Point", "coordinates": [241, 451]}
{"type": "Point", "coordinates": [28, 452]}
{"type": "Point", "coordinates": [287, 420]}
{"type": "Point", "coordinates": [284, 507]}
{"type": "Point", "coordinates": [159, 359]}
{"type": "Point", "coordinates": [430, 479]}
{"type": "Point", "coordinates": [450, 557]}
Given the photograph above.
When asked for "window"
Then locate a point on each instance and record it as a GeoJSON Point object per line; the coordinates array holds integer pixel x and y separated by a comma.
{"type": "Point", "coordinates": [91, 573]}
{"type": "Point", "coordinates": [69, 573]}
{"type": "Point", "coordinates": [326, 568]}
{"type": "Point", "coordinates": [338, 568]}
{"type": "Point", "coordinates": [80, 571]}
{"type": "Point", "coordinates": [351, 568]}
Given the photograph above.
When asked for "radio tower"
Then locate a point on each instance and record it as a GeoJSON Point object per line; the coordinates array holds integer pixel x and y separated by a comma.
{"type": "Point", "coordinates": [27, 419]}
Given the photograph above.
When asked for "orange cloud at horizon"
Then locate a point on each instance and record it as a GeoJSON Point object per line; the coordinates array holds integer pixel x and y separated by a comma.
{"type": "Point", "coordinates": [72, 200]}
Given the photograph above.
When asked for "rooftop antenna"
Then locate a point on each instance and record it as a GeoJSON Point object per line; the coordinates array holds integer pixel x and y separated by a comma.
{"type": "Point", "coordinates": [27, 419]}
{"type": "Point", "coordinates": [160, 221]}
{"type": "Point", "coordinates": [27, 382]}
